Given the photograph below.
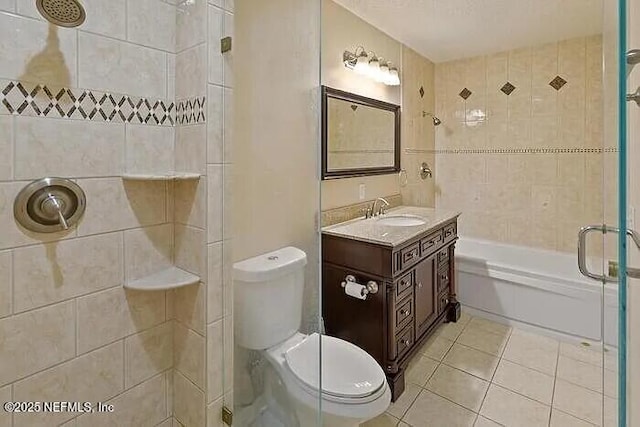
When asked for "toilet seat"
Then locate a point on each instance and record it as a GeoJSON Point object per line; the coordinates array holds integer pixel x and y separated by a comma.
{"type": "Point", "coordinates": [348, 372]}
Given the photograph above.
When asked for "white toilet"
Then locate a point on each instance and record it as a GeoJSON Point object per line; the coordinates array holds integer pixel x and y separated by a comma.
{"type": "Point", "coordinates": [268, 313]}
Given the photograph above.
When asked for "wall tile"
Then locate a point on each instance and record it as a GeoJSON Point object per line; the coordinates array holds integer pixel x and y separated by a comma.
{"type": "Point", "coordinates": [148, 250]}
{"type": "Point", "coordinates": [143, 405]}
{"type": "Point", "coordinates": [36, 52]}
{"type": "Point", "coordinates": [6, 280]}
{"type": "Point", "coordinates": [188, 306]}
{"type": "Point", "coordinates": [216, 31]}
{"type": "Point", "coordinates": [108, 65]}
{"type": "Point", "coordinates": [191, 69]}
{"type": "Point", "coordinates": [7, 5]}
{"type": "Point", "coordinates": [36, 340]}
{"type": "Point", "coordinates": [67, 148]}
{"type": "Point", "coordinates": [148, 353]}
{"type": "Point", "coordinates": [229, 346]}
{"type": "Point", "coordinates": [215, 361]}
{"type": "Point", "coordinates": [228, 125]}
{"type": "Point", "coordinates": [106, 18]}
{"type": "Point", "coordinates": [215, 124]}
{"type": "Point", "coordinates": [215, 187]}
{"type": "Point", "coordinates": [189, 354]}
{"type": "Point", "coordinates": [214, 282]}
{"type": "Point", "coordinates": [152, 23]}
{"type": "Point", "coordinates": [227, 276]}
{"type": "Point", "coordinates": [191, 146]}
{"type": "Point", "coordinates": [227, 58]}
{"type": "Point", "coordinates": [114, 204]}
{"type": "Point", "coordinates": [6, 148]}
{"type": "Point", "coordinates": [189, 402]}
{"type": "Point", "coordinates": [93, 377]}
{"type": "Point", "coordinates": [53, 272]}
{"type": "Point", "coordinates": [227, 202]}
{"type": "Point", "coordinates": [191, 203]}
{"type": "Point", "coordinates": [113, 314]}
{"type": "Point", "coordinates": [149, 148]}
{"type": "Point", "coordinates": [190, 249]}
{"type": "Point", "coordinates": [191, 24]}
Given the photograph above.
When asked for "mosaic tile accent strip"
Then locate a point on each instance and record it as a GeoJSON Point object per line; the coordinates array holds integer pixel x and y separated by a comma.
{"type": "Point", "coordinates": [421, 91]}
{"type": "Point", "coordinates": [531, 150]}
{"type": "Point", "coordinates": [507, 88]}
{"type": "Point", "coordinates": [191, 111]}
{"type": "Point", "coordinates": [29, 99]}
{"type": "Point", "coordinates": [557, 83]}
{"type": "Point", "coordinates": [465, 93]}
{"type": "Point", "coordinates": [349, 212]}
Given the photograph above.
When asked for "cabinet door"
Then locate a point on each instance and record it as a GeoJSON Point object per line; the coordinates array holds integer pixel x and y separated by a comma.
{"type": "Point", "coordinates": [426, 309]}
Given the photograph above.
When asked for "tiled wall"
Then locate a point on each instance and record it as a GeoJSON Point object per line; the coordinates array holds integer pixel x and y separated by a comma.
{"type": "Point", "coordinates": [418, 131]}
{"type": "Point", "coordinates": [69, 329]}
{"type": "Point", "coordinates": [520, 148]}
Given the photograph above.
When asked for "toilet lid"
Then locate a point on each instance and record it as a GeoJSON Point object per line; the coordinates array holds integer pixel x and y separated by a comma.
{"type": "Point", "coordinates": [347, 370]}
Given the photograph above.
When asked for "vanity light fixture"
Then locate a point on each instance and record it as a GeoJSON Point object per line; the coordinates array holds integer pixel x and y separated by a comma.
{"type": "Point", "coordinates": [370, 65]}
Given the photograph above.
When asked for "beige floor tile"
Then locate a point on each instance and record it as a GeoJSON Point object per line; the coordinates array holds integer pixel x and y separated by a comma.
{"type": "Point", "coordinates": [560, 419]}
{"type": "Point", "coordinates": [533, 351]}
{"type": "Point", "coordinates": [610, 412]}
{"type": "Point", "coordinates": [400, 406]}
{"type": "Point", "coordinates": [489, 326]}
{"type": "Point", "coordinates": [458, 386]}
{"type": "Point", "coordinates": [591, 355]}
{"type": "Point", "coordinates": [450, 331]}
{"type": "Point", "coordinates": [420, 370]}
{"type": "Point", "coordinates": [436, 347]}
{"type": "Point", "coordinates": [611, 383]}
{"type": "Point", "coordinates": [514, 410]}
{"type": "Point", "coordinates": [578, 401]}
{"type": "Point", "coordinates": [526, 381]}
{"type": "Point", "coordinates": [473, 361]}
{"type": "Point", "coordinates": [384, 420]}
{"type": "Point", "coordinates": [482, 340]}
{"type": "Point", "coordinates": [580, 373]}
{"type": "Point", "coordinates": [432, 410]}
{"type": "Point", "coordinates": [485, 422]}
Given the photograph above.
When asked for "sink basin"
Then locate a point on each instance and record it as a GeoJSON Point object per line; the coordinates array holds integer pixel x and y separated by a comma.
{"type": "Point", "coordinates": [401, 220]}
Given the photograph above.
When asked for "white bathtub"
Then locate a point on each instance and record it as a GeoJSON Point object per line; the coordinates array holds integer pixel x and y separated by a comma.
{"type": "Point", "coordinates": [539, 288]}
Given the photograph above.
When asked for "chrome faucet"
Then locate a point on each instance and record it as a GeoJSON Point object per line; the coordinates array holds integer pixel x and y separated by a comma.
{"type": "Point", "coordinates": [382, 207]}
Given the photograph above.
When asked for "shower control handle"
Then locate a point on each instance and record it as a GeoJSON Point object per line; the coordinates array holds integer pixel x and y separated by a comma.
{"type": "Point", "coordinates": [54, 206]}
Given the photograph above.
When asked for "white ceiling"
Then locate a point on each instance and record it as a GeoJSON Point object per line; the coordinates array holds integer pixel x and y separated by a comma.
{"type": "Point", "coordinates": [443, 30]}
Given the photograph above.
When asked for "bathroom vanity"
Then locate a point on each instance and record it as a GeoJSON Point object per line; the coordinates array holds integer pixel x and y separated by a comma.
{"type": "Point", "coordinates": [403, 262]}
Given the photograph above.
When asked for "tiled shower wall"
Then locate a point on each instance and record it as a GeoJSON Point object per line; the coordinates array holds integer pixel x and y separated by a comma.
{"type": "Point", "coordinates": [520, 148]}
{"type": "Point", "coordinates": [125, 92]}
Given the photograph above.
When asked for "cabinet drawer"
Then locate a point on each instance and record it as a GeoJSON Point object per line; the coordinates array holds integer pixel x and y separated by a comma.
{"type": "Point", "coordinates": [443, 256]}
{"type": "Point", "coordinates": [450, 232]}
{"type": "Point", "coordinates": [404, 341]}
{"type": "Point", "coordinates": [443, 301]}
{"type": "Point", "coordinates": [410, 255]}
{"type": "Point", "coordinates": [443, 277]}
{"type": "Point", "coordinates": [431, 243]}
{"type": "Point", "coordinates": [404, 284]}
{"type": "Point", "coordinates": [404, 313]}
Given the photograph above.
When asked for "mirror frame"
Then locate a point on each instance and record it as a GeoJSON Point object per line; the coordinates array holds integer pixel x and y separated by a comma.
{"type": "Point", "coordinates": [328, 92]}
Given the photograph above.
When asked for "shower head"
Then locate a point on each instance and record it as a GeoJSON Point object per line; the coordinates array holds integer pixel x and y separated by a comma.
{"type": "Point", "coordinates": [436, 121]}
{"type": "Point", "coordinates": [64, 13]}
{"type": "Point", "coordinates": [633, 58]}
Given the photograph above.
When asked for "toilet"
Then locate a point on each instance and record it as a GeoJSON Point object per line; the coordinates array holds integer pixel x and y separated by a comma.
{"type": "Point", "coordinates": [268, 313]}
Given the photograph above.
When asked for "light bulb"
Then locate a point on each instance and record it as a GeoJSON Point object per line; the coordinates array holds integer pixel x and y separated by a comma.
{"type": "Point", "coordinates": [383, 75]}
{"type": "Point", "coordinates": [374, 68]}
{"type": "Point", "coordinates": [362, 64]}
{"type": "Point", "coordinates": [394, 79]}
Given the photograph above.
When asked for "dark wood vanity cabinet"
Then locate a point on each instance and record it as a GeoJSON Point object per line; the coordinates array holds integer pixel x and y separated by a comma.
{"type": "Point", "coordinates": [416, 292]}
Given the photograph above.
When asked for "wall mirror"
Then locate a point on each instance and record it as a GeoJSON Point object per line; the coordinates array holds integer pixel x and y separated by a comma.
{"type": "Point", "coordinates": [360, 136]}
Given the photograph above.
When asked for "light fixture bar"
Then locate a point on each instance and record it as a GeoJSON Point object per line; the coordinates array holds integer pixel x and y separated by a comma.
{"type": "Point", "coordinates": [372, 66]}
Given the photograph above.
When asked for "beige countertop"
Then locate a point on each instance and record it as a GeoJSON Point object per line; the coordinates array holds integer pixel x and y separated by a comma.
{"type": "Point", "coordinates": [369, 230]}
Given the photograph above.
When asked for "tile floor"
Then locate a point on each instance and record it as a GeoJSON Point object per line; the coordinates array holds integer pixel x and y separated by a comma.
{"type": "Point", "coordinates": [484, 374]}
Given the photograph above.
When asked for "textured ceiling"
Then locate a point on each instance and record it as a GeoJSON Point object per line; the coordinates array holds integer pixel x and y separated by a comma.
{"type": "Point", "coordinates": [444, 30]}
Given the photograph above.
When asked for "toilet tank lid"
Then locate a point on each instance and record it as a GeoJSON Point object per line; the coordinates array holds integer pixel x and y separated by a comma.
{"type": "Point", "coordinates": [270, 266]}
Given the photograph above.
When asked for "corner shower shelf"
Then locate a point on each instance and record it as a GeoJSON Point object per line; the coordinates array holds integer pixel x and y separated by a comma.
{"type": "Point", "coordinates": [170, 278]}
{"type": "Point", "coordinates": [167, 176]}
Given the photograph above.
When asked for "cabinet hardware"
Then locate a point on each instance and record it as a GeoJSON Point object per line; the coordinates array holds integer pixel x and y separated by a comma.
{"type": "Point", "coordinates": [404, 312]}
{"type": "Point", "coordinates": [406, 342]}
{"type": "Point", "coordinates": [420, 285]}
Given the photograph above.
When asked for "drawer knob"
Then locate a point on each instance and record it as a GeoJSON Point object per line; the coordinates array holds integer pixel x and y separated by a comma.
{"type": "Point", "coordinates": [404, 312]}
{"type": "Point", "coordinates": [420, 285]}
{"type": "Point", "coordinates": [406, 342]}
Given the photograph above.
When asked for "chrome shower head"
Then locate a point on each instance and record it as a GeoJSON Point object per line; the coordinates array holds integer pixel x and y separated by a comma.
{"type": "Point", "coordinates": [436, 121]}
{"type": "Point", "coordinates": [64, 13]}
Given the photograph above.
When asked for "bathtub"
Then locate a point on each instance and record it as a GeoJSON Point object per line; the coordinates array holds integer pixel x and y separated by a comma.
{"type": "Point", "coordinates": [535, 288]}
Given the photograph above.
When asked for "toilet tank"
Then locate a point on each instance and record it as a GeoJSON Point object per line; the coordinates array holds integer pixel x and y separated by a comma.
{"type": "Point", "coordinates": [268, 297]}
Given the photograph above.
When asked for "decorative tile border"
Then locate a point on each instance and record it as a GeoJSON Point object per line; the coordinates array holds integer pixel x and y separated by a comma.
{"type": "Point", "coordinates": [29, 99]}
{"type": "Point", "coordinates": [191, 111]}
{"type": "Point", "coordinates": [349, 212]}
{"type": "Point", "coordinates": [513, 150]}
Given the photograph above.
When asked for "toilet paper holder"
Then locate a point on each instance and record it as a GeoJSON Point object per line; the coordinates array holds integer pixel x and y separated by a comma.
{"type": "Point", "coordinates": [370, 288]}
